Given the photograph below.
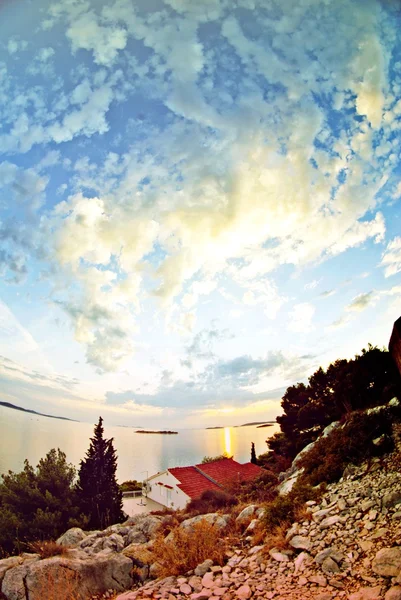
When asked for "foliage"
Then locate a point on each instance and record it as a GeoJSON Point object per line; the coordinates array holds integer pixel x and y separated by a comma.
{"type": "Point", "coordinates": [260, 489]}
{"type": "Point", "coordinates": [210, 501]}
{"type": "Point", "coordinates": [352, 442]}
{"type": "Point", "coordinates": [131, 486]}
{"type": "Point", "coordinates": [283, 509]}
{"type": "Point", "coordinates": [370, 379]}
{"type": "Point", "coordinates": [254, 460]}
{"type": "Point", "coordinates": [99, 494]}
{"type": "Point", "coordinates": [48, 548]}
{"type": "Point", "coordinates": [188, 548]}
{"type": "Point", "coordinates": [38, 504]}
{"type": "Point", "coordinates": [209, 459]}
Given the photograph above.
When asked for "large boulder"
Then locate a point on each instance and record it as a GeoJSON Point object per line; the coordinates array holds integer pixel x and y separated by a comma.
{"type": "Point", "coordinates": [143, 529]}
{"type": "Point", "coordinates": [219, 521]}
{"type": "Point", "coordinates": [59, 578]}
{"type": "Point", "coordinates": [72, 537]}
{"type": "Point", "coordinates": [387, 562]}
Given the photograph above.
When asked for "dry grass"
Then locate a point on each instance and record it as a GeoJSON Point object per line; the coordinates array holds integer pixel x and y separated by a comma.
{"type": "Point", "coordinates": [187, 549]}
{"type": "Point", "coordinates": [58, 584]}
{"type": "Point", "coordinates": [276, 538]}
{"type": "Point", "coordinates": [302, 513]}
{"type": "Point", "coordinates": [48, 548]}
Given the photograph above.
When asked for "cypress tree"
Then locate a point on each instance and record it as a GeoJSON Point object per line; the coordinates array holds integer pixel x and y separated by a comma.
{"type": "Point", "coordinates": [98, 491]}
{"type": "Point", "coordinates": [254, 460]}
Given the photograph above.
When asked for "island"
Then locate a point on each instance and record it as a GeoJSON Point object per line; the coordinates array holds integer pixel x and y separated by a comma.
{"type": "Point", "coordinates": [215, 428]}
{"type": "Point", "coordinates": [34, 412]}
{"type": "Point", "coordinates": [265, 425]}
{"type": "Point", "coordinates": [257, 423]}
{"type": "Point", "coordinates": [162, 432]}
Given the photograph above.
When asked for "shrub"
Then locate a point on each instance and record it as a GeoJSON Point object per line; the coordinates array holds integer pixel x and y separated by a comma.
{"type": "Point", "coordinates": [63, 584]}
{"type": "Point", "coordinates": [48, 548]}
{"type": "Point", "coordinates": [283, 509]}
{"type": "Point", "coordinates": [261, 489]}
{"type": "Point", "coordinates": [188, 548]}
{"type": "Point", "coordinates": [350, 443]}
{"type": "Point", "coordinates": [210, 501]}
{"type": "Point", "coordinates": [209, 459]}
{"type": "Point", "coordinates": [38, 504]}
{"type": "Point", "coordinates": [131, 486]}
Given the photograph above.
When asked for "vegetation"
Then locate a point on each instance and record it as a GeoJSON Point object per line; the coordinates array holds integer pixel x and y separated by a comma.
{"type": "Point", "coordinates": [368, 380]}
{"type": "Point", "coordinates": [209, 459]}
{"type": "Point", "coordinates": [48, 548]}
{"type": "Point", "coordinates": [99, 494]}
{"type": "Point", "coordinates": [38, 504]}
{"type": "Point", "coordinates": [210, 501]}
{"type": "Point", "coordinates": [131, 486]}
{"type": "Point", "coordinates": [188, 548]}
{"type": "Point", "coordinates": [254, 460]}
{"type": "Point", "coordinates": [283, 509]}
{"type": "Point", "coordinates": [354, 442]}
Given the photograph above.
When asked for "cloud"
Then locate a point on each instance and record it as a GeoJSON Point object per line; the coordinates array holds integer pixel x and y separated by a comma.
{"type": "Point", "coordinates": [361, 302]}
{"type": "Point", "coordinates": [391, 259]}
{"type": "Point", "coordinates": [327, 293]}
{"type": "Point", "coordinates": [301, 317]}
{"type": "Point", "coordinates": [246, 160]}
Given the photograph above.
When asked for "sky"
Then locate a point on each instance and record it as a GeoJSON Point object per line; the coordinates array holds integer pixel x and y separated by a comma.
{"type": "Point", "coordinates": [200, 202]}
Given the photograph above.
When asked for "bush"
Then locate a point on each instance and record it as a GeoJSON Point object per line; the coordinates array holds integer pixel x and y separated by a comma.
{"type": "Point", "coordinates": [131, 486]}
{"type": "Point", "coordinates": [350, 443]}
{"type": "Point", "coordinates": [38, 504]}
{"type": "Point", "coordinates": [283, 509]}
{"type": "Point", "coordinates": [209, 459]}
{"type": "Point", "coordinates": [188, 548]}
{"type": "Point", "coordinates": [210, 501]}
{"type": "Point", "coordinates": [48, 548]}
{"type": "Point", "coordinates": [261, 489]}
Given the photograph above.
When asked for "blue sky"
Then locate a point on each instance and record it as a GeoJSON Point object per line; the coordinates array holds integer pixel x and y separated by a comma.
{"type": "Point", "coordinates": [200, 202]}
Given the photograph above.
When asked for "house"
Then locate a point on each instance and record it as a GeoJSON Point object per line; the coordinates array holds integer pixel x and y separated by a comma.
{"type": "Point", "coordinates": [175, 487]}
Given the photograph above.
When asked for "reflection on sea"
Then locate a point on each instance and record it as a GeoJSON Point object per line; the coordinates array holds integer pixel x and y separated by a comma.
{"type": "Point", "coordinates": [26, 436]}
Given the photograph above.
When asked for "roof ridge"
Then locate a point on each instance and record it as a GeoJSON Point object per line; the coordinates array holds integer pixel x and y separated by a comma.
{"type": "Point", "coordinates": [207, 476]}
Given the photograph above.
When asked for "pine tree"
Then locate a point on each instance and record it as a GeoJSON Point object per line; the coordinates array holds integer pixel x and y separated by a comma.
{"type": "Point", "coordinates": [254, 460]}
{"type": "Point", "coordinates": [99, 494]}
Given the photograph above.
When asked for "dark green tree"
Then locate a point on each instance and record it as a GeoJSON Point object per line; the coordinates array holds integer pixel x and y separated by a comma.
{"type": "Point", "coordinates": [99, 494]}
{"type": "Point", "coordinates": [254, 460]}
{"type": "Point", "coordinates": [38, 504]}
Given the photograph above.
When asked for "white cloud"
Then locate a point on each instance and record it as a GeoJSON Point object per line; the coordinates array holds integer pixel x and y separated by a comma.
{"type": "Point", "coordinates": [391, 259]}
{"type": "Point", "coordinates": [301, 317]}
{"type": "Point", "coordinates": [105, 42]}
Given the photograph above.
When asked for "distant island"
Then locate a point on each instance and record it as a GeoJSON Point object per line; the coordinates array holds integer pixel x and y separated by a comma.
{"type": "Point", "coordinates": [265, 425]}
{"type": "Point", "coordinates": [259, 423]}
{"type": "Point", "coordinates": [163, 432]}
{"type": "Point", "coordinates": [214, 427]}
{"type": "Point", "coordinates": [34, 412]}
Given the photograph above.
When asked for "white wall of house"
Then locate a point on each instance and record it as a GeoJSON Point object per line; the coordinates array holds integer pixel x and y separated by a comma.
{"type": "Point", "coordinates": [171, 497]}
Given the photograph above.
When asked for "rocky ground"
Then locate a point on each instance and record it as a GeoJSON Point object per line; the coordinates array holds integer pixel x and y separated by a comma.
{"type": "Point", "coordinates": [348, 546]}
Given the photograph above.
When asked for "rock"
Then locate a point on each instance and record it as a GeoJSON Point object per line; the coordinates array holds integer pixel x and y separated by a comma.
{"type": "Point", "coordinates": [246, 513]}
{"type": "Point", "coordinates": [387, 562]}
{"type": "Point", "coordinates": [252, 526]}
{"type": "Point", "coordinates": [319, 580]}
{"type": "Point", "coordinates": [328, 552]}
{"type": "Point", "coordinates": [391, 499]}
{"type": "Point", "coordinates": [65, 577]}
{"type": "Point", "coordinates": [393, 593]}
{"type": "Point", "coordinates": [300, 542]}
{"type": "Point", "coordinates": [329, 521]}
{"type": "Point", "coordinates": [243, 592]}
{"type": "Point", "coordinates": [367, 594]}
{"type": "Point", "coordinates": [207, 580]}
{"type": "Point", "coordinates": [8, 563]}
{"type": "Point", "coordinates": [201, 569]}
{"type": "Point", "coordinates": [219, 521]}
{"type": "Point", "coordinates": [330, 566]}
{"type": "Point", "coordinates": [72, 537]}
{"type": "Point", "coordinates": [279, 556]}
{"type": "Point", "coordinates": [324, 596]}
{"type": "Point", "coordinates": [185, 589]}
{"type": "Point", "coordinates": [300, 560]}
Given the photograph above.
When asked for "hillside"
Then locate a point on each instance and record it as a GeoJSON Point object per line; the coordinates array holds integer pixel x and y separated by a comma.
{"type": "Point", "coordinates": [34, 412]}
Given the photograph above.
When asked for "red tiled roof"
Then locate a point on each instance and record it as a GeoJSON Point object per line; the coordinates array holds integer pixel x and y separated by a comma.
{"type": "Point", "coordinates": [228, 470]}
{"type": "Point", "coordinates": [192, 483]}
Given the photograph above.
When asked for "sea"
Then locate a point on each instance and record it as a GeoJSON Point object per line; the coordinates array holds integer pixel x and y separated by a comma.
{"type": "Point", "coordinates": [27, 436]}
